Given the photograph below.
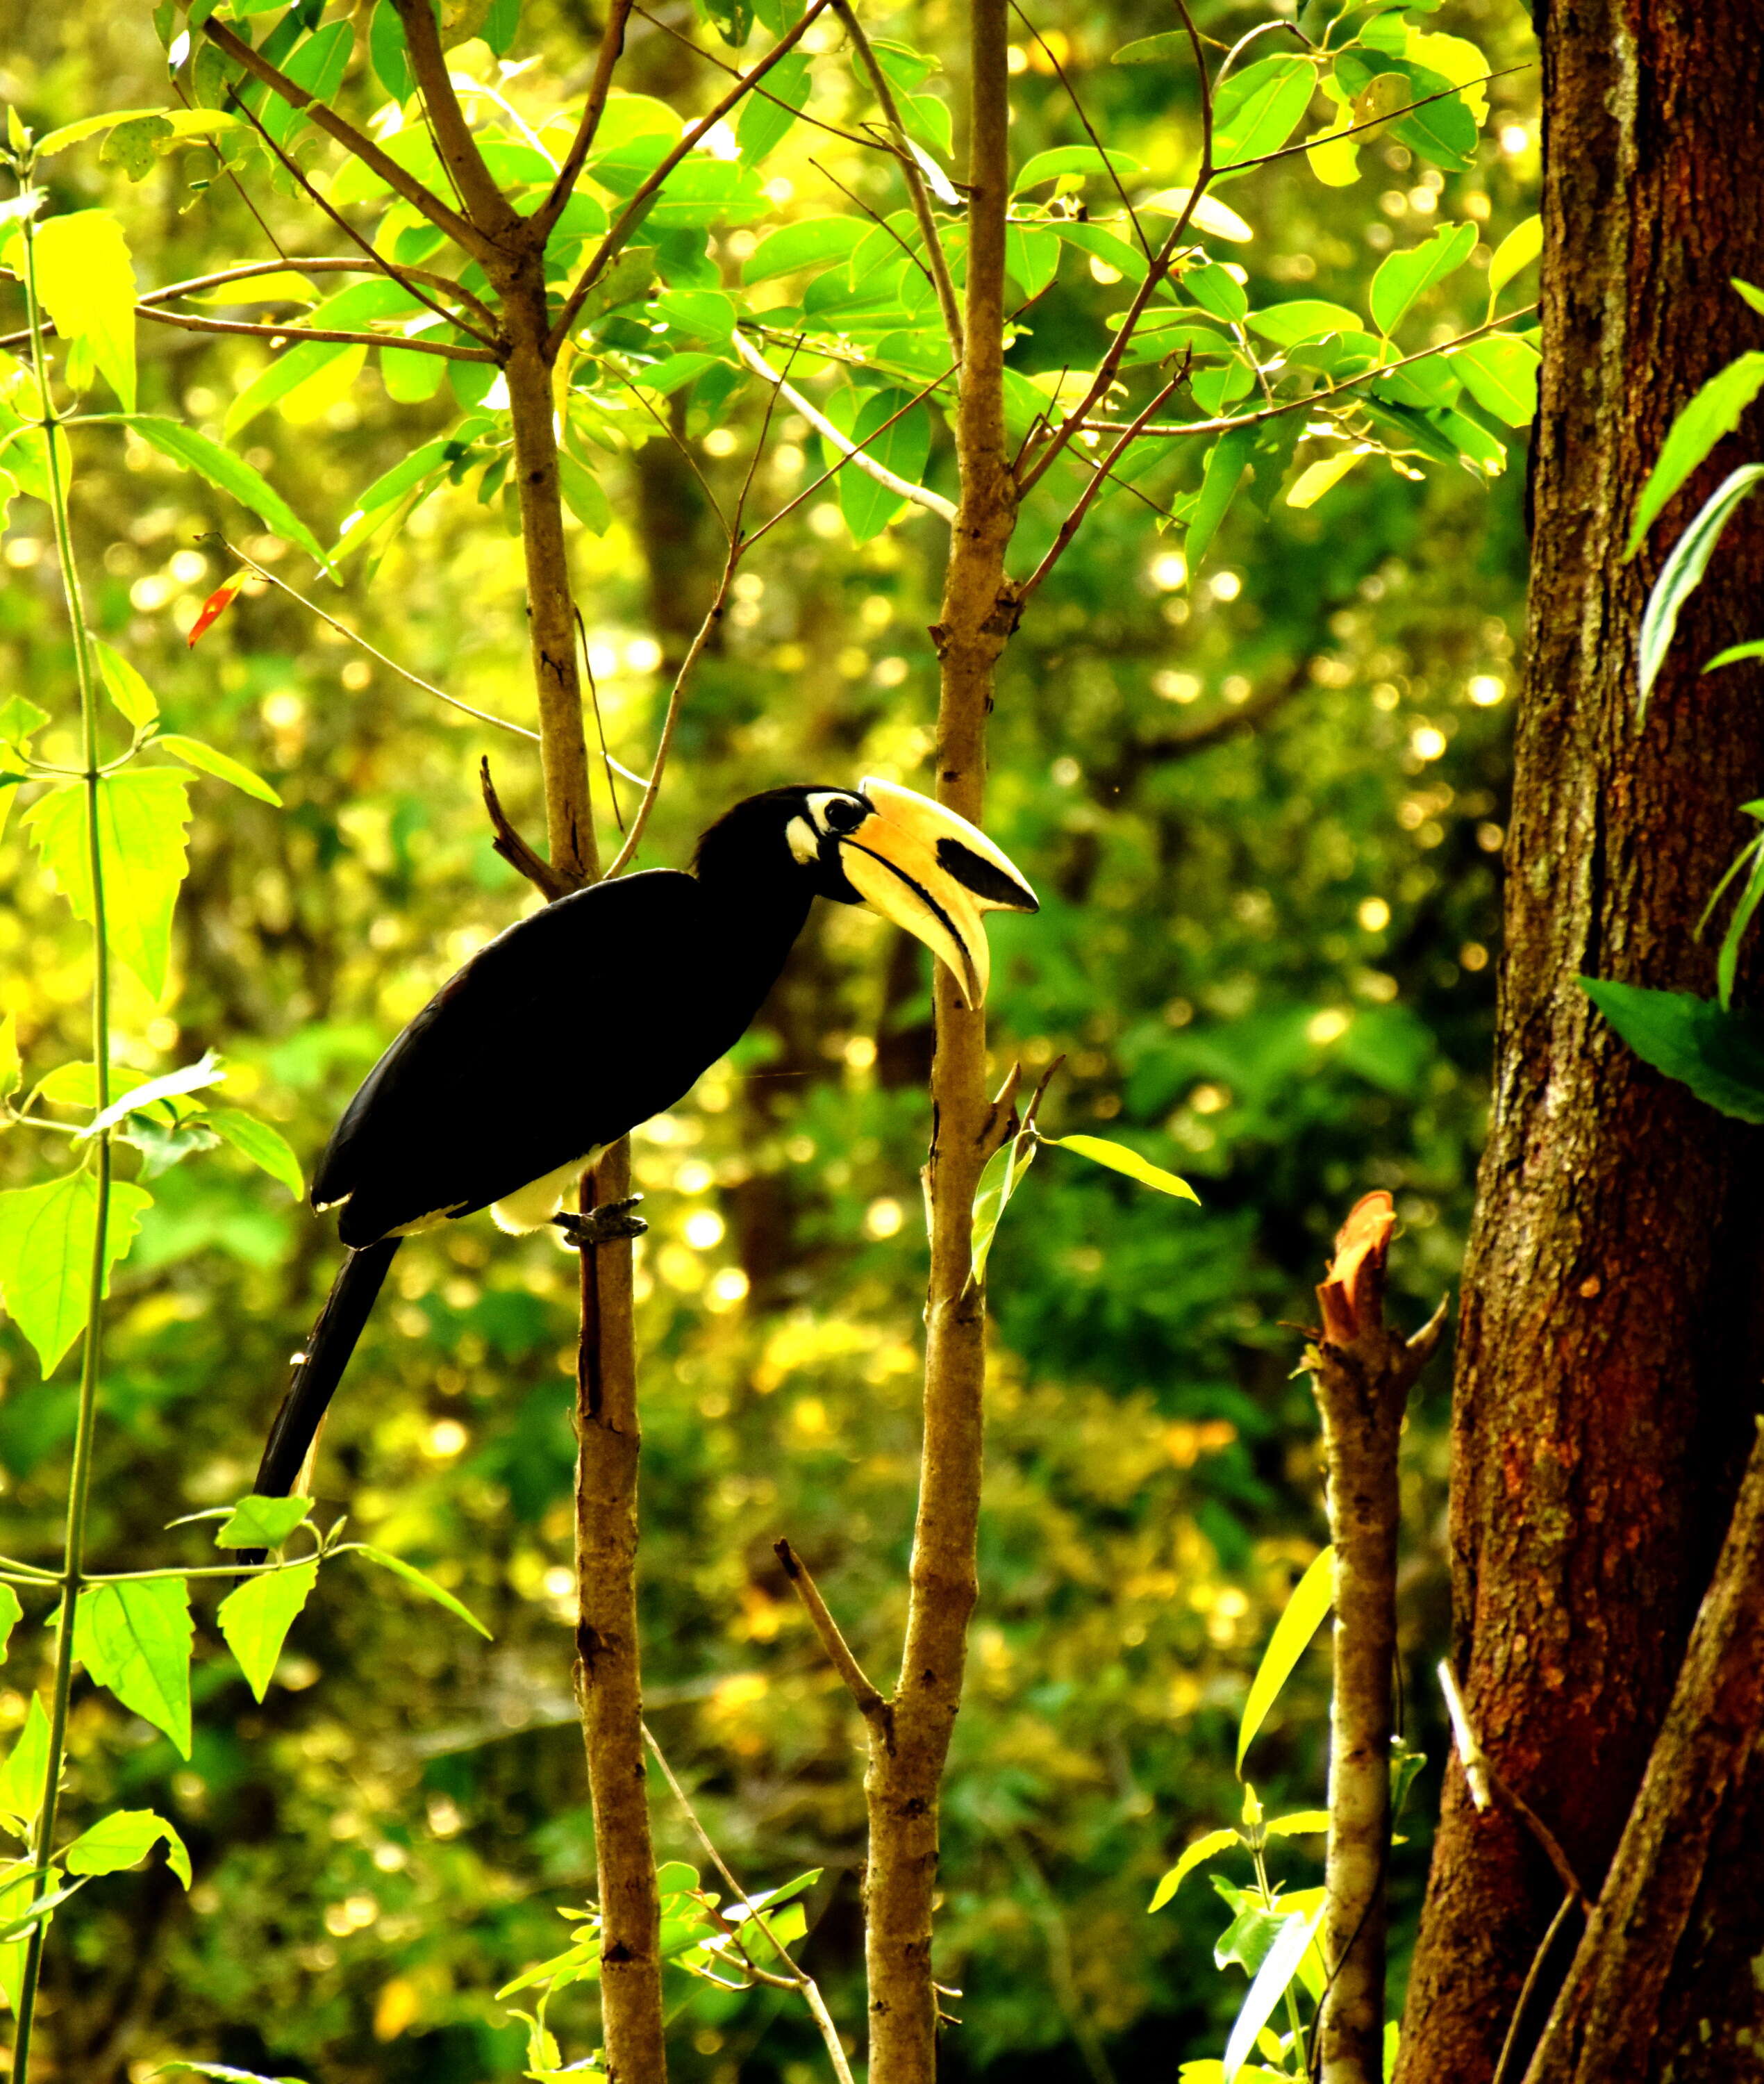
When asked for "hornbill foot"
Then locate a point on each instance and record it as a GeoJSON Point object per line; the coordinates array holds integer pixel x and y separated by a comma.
{"type": "Point", "coordinates": [610, 1222]}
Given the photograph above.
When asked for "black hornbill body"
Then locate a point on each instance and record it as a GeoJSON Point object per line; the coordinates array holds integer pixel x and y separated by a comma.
{"type": "Point", "coordinates": [585, 1020]}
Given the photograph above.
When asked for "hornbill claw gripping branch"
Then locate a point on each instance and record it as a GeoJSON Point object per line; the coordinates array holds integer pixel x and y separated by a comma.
{"type": "Point", "coordinates": [510, 1081]}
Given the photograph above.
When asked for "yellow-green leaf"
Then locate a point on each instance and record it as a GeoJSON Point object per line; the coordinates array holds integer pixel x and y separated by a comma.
{"type": "Point", "coordinates": [46, 1238]}
{"type": "Point", "coordinates": [261, 1522]}
{"type": "Point", "coordinates": [257, 1618]}
{"type": "Point", "coordinates": [267, 1148]}
{"type": "Point", "coordinates": [1311, 1598]}
{"type": "Point", "coordinates": [11, 1613]}
{"type": "Point", "coordinates": [143, 818]}
{"type": "Point", "coordinates": [1203, 1848]}
{"type": "Point", "coordinates": [1004, 1169]}
{"type": "Point", "coordinates": [11, 1064]}
{"type": "Point", "coordinates": [135, 1639]}
{"type": "Point", "coordinates": [123, 1839]}
{"type": "Point", "coordinates": [206, 1071]}
{"type": "Point", "coordinates": [87, 282]}
{"type": "Point", "coordinates": [1323, 475]}
{"type": "Point", "coordinates": [21, 1776]}
{"type": "Point", "coordinates": [126, 688]}
{"type": "Point", "coordinates": [1500, 373]}
{"type": "Point", "coordinates": [1302, 1823]}
{"type": "Point", "coordinates": [1119, 1159]}
{"type": "Point", "coordinates": [221, 765]}
{"type": "Point", "coordinates": [1516, 251]}
{"type": "Point", "coordinates": [424, 1584]}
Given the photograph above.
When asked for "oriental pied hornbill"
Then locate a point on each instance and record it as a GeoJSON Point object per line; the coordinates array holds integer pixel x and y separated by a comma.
{"type": "Point", "coordinates": [586, 1019]}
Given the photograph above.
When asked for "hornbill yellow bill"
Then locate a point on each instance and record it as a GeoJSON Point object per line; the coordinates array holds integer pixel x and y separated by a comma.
{"type": "Point", "coordinates": [583, 1021]}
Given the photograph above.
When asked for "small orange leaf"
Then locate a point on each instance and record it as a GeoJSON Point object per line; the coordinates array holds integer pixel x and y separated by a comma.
{"type": "Point", "coordinates": [217, 605]}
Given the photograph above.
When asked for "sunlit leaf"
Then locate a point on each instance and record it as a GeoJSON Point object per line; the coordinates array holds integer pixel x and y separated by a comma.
{"type": "Point", "coordinates": [47, 1234]}
{"type": "Point", "coordinates": [22, 1774]}
{"type": "Point", "coordinates": [221, 765]}
{"type": "Point", "coordinates": [763, 124]}
{"type": "Point", "coordinates": [1312, 1598]}
{"type": "Point", "coordinates": [1515, 253]}
{"type": "Point", "coordinates": [133, 698]}
{"type": "Point", "coordinates": [1403, 277]}
{"type": "Point", "coordinates": [10, 1614]}
{"type": "Point", "coordinates": [1697, 426]}
{"type": "Point", "coordinates": [1074, 159]}
{"type": "Point", "coordinates": [1258, 108]}
{"type": "Point", "coordinates": [999, 1181]}
{"type": "Point", "coordinates": [257, 1618]}
{"type": "Point", "coordinates": [1322, 476]}
{"type": "Point", "coordinates": [1500, 373]}
{"type": "Point", "coordinates": [1120, 1158]}
{"type": "Point", "coordinates": [1226, 462]}
{"type": "Point", "coordinates": [424, 1585]}
{"type": "Point", "coordinates": [135, 1639]}
{"type": "Point", "coordinates": [1168, 43]}
{"type": "Point", "coordinates": [814, 242]}
{"type": "Point", "coordinates": [123, 1839]}
{"type": "Point", "coordinates": [867, 505]}
{"type": "Point", "coordinates": [1203, 1848]}
{"type": "Point", "coordinates": [1683, 570]}
{"type": "Point", "coordinates": [230, 474]}
{"type": "Point", "coordinates": [191, 1078]}
{"type": "Point", "coordinates": [1302, 1823]}
{"type": "Point", "coordinates": [262, 1523]}
{"type": "Point", "coordinates": [87, 282]}
{"type": "Point", "coordinates": [11, 1064]}
{"type": "Point", "coordinates": [1209, 214]}
{"type": "Point", "coordinates": [1267, 1991]}
{"type": "Point", "coordinates": [267, 1148]}
{"type": "Point", "coordinates": [143, 818]}
{"type": "Point", "coordinates": [1753, 648]}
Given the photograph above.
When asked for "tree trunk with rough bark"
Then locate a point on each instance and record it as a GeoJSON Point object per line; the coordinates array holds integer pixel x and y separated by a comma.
{"type": "Point", "coordinates": [1611, 1347]}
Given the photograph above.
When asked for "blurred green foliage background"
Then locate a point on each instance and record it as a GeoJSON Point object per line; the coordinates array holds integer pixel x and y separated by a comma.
{"type": "Point", "coordinates": [1265, 814]}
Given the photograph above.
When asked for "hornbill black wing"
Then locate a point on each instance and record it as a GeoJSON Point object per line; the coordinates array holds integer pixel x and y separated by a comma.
{"type": "Point", "coordinates": [566, 1031]}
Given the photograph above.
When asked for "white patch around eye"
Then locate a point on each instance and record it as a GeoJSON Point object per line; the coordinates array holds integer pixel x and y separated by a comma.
{"type": "Point", "coordinates": [804, 845]}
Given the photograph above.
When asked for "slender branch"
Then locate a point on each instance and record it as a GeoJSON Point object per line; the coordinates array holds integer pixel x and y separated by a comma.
{"type": "Point", "coordinates": [801, 115]}
{"type": "Point", "coordinates": [685, 453]}
{"type": "Point", "coordinates": [637, 207]}
{"type": "Point", "coordinates": [190, 323]}
{"type": "Point", "coordinates": [353, 141]}
{"type": "Point", "coordinates": [1089, 129]}
{"type": "Point", "coordinates": [1522, 2004]}
{"type": "Point", "coordinates": [871, 1704]}
{"type": "Point", "coordinates": [514, 849]}
{"type": "Point", "coordinates": [933, 501]}
{"type": "Point", "coordinates": [914, 176]}
{"type": "Point", "coordinates": [1485, 1783]}
{"type": "Point", "coordinates": [606, 61]}
{"type": "Point", "coordinates": [360, 643]}
{"type": "Point", "coordinates": [796, 1980]}
{"type": "Point", "coordinates": [486, 208]}
{"type": "Point", "coordinates": [875, 217]}
{"type": "Point", "coordinates": [1074, 520]}
{"type": "Point", "coordinates": [91, 1358]}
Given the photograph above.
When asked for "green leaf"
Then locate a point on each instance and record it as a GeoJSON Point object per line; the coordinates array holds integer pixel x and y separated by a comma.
{"type": "Point", "coordinates": [1719, 1052]}
{"type": "Point", "coordinates": [20, 720]}
{"type": "Point", "coordinates": [1214, 287]}
{"type": "Point", "coordinates": [1257, 109]}
{"type": "Point", "coordinates": [34, 1913]}
{"type": "Point", "coordinates": [1698, 426]}
{"type": "Point", "coordinates": [229, 474]}
{"type": "Point", "coordinates": [135, 1639]}
{"type": "Point", "coordinates": [868, 507]}
{"type": "Point", "coordinates": [1500, 373]}
{"type": "Point", "coordinates": [1515, 253]}
{"type": "Point", "coordinates": [1323, 475]}
{"type": "Point", "coordinates": [998, 1182]}
{"type": "Point", "coordinates": [1304, 319]}
{"type": "Point", "coordinates": [1202, 1849]}
{"type": "Point", "coordinates": [11, 1064]}
{"type": "Point", "coordinates": [141, 820]}
{"type": "Point", "coordinates": [262, 1523]}
{"type": "Point", "coordinates": [1267, 1991]}
{"type": "Point", "coordinates": [294, 366]}
{"type": "Point", "coordinates": [1302, 1823]}
{"type": "Point", "coordinates": [1683, 570]}
{"type": "Point", "coordinates": [762, 123]}
{"type": "Point", "coordinates": [267, 1148]}
{"type": "Point", "coordinates": [21, 1776]}
{"type": "Point", "coordinates": [1226, 460]}
{"type": "Point", "coordinates": [426, 1586]}
{"type": "Point", "coordinates": [389, 54]}
{"type": "Point", "coordinates": [583, 495]}
{"type": "Point", "coordinates": [46, 1238]}
{"type": "Point", "coordinates": [1403, 277]}
{"type": "Point", "coordinates": [1075, 159]}
{"type": "Point", "coordinates": [221, 765]}
{"type": "Point", "coordinates": [1120, 1158]}
{"type": "Point", "coordinates": [11, 1613]}
{"type": "Point", "coordinates": [126, 688]}
{"type": "Point", "coordinates": [221, 2072]}
{"type": "Point", "coordinates": [257, 1618]}
{"type": "Point", "coordinates": [1749, 293]}
{"type": "Point", "coordinates": [1735, 653]}
{"type": "Point", "coordinates": [206, 1071]}
{"type": "Point", "coordinates": [1169, 44]}
{"type": "Point", "coordinates": [815, 241]}
{"type": "Point", "coordinates": [1116, 253]}
{"type": "Point", "coordinates": [1311, 1598]}
{"type": "Point", "coordinates": [87, 282]}
{"type": "Point", "coordinates": [318, 65]}
{"type": "Point", "coordinates": [123, 1839]}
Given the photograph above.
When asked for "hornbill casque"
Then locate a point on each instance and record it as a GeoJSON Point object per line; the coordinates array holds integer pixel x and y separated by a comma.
{"type": "Point", "coordinates": [587, 1018]}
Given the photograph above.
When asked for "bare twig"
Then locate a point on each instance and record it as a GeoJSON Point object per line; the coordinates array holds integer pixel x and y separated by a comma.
{"type": "Point", "coordinates": [637, 207]}
{"type": "Point", "coordinates": [1485, 1783]}
{"type": "Point", "coordinates": [605, 60]}
{"type": "Point", "coordinates": [871, 1705]}
{"type": "Point", "coordinates": [801, 115]}
{"type": "Point", "coordinates": [514, 849]}
{"type": "Point", "coordinates": [188, 322]}
{"type": "Point", "coordinates": [1522, 2003]}
{"type": "Point", "coordinates": [360, 643]}
{"type": "Point", "coordinates": [933, 501]}
{"type": "Point", "coordinates": [936, 259]}
{"type": "Point", "coordinates": [875, 217]}
{"type": "Point", "coordinates": [1074, 520]}
{"type": "Point", "coordinates": [685, 453]}
{"type": "Point", "coordinates": [354, 141]}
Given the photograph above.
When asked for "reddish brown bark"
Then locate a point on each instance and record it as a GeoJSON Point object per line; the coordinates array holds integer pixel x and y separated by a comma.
{"type": "Point", "coordinates": [1610, 1347]}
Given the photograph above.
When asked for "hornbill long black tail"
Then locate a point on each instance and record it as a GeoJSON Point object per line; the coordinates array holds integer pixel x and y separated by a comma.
{"type": "Point", "coordinates": [587, 1018]}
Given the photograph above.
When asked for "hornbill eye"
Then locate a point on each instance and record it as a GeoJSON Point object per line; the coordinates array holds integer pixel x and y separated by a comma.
{"type": "Point", "coordinates": [844, 815]}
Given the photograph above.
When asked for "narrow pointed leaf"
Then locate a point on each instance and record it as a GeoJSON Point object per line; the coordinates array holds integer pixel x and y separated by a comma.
{"type": "Point", "coordinates": [1312, 1598]}
{"type": "Point", "coordinates": [424, 1585]}
{"type": "Point", "coordinates": [267, 1148]}
{"type": "Point", "coordinates": [191, 1079]}
{"type": "Point", "coordinates": [11, 1613]}
{"type": "Point", "coordinates": [1120, 1158]}
{"type": "Point", "coordinates": [125, 686]}
{"type": "Point", "coordinates": [1267, 1991]}
{"type": "Point", "coordinates": [1683, 570]}
{"type": "Point", "coordinates": [221, 765]}
{"type": "Point", "coordinates": [1714, 411]}
{"type": "Point", "coordinates": [229, 474]}
{"type": "Point", "coordinates": [1203, 1848]}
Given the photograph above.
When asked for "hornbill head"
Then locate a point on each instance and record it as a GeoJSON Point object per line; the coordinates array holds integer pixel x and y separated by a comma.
{"type": "Point", "coordinates": [901, 854]}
